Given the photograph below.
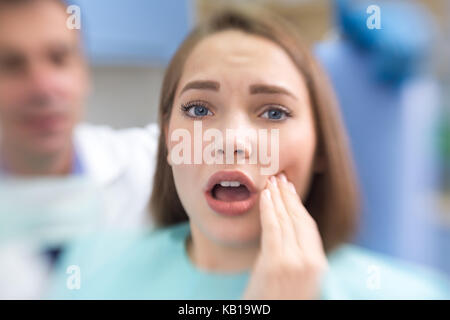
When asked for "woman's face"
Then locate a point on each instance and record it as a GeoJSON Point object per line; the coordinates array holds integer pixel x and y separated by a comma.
{"type": "Point", "coordinates": [233, 80]}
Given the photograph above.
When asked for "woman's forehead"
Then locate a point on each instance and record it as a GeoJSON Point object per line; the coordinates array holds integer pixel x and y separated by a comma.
{"type": "Point", "coordinates": [234, 56]}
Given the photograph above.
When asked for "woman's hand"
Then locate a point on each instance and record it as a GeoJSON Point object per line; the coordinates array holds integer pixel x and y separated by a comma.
{"type": "Point", "coordinates": [292, 259]}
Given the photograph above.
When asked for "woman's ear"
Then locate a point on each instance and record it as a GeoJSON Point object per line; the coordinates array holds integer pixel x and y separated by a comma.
{"type": "Point", "coordinates": [166, 135]}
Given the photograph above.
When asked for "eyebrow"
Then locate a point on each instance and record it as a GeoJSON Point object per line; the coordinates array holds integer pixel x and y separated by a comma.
{"type": "Point", "coordinates": [270, 89]}
{"type": "Point", "coordinates": [254, 89]}
{"type": "Point", "coordinates": [201, 84]}
{"type": "Point", "coordinates": [60, 47]}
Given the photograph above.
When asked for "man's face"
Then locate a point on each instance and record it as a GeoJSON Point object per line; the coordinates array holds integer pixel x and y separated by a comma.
{"type": "Point", "coordinates": [43, 78]}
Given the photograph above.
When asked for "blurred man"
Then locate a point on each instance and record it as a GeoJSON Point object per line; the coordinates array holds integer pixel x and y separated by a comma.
{"type": "Point", "coordinates": [44, 82]}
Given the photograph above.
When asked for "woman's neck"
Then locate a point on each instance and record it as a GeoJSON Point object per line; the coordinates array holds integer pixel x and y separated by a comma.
{"type": "Point", "coordinates": [212, 256]}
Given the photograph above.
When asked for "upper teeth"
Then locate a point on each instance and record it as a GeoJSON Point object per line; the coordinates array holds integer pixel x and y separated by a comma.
{"type": "Point", "coordinates": [230, 183]}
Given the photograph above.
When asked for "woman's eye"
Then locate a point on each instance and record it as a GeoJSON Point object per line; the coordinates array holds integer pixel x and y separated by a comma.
{"type": "Point", "coordinates": [275, 114]}
{"type": "Point", "coordinates": [197, 111]}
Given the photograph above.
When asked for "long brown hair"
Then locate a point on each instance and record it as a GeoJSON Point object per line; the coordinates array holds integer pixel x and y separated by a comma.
{"type": "Point", "coordinates": [333, 199]}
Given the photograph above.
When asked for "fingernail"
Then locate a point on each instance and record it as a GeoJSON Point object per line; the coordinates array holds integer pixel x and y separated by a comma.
{"type": "Point", "coordinates": [273, 180]}
{"type": "Point", "coordinates": [283, 177]}
{"type": "Point", "coordinates": [292, 188]}
{"type": "Point", "coordinates": [266, 194]}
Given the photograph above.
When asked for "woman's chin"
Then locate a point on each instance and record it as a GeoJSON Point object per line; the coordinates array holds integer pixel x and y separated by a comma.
{"type": "Point", "coordinates": [236, 235]}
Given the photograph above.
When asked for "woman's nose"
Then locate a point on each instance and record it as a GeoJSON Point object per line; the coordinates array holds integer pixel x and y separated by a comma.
{"type": "Point", "coordinates": [236, 146]}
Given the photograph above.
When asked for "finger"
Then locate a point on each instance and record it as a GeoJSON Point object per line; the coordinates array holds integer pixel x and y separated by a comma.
{"type": "Point", "coordinates": [306, 230]}
{"type": "Point", "coordinates": [270, 227]}
{"type": "Point", "coordinates": [286, 227]}
{"type": "Point", "coordinates": [292, 200]}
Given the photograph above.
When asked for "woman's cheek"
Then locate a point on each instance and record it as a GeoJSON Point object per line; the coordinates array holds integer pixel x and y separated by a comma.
{"type": "Point", "coordinates": [183, 176]}
{"type": "Point", "coordinates": [297, 165]}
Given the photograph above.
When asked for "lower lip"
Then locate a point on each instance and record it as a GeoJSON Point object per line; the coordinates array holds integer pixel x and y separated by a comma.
{"type": "Point", "coordinates": [48, 123]}
{"type": "Point", "coordinates": [231, 208]}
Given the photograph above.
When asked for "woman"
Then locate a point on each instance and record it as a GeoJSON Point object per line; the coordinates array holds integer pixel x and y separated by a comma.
{"type": "Point", "coordinates": [237, 229]}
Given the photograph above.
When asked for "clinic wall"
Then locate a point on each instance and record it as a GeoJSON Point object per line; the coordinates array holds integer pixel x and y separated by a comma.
{"type": "Point", "coordinates": [124, 96]}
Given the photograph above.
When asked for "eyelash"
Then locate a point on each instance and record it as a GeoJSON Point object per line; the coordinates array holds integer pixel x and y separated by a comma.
{"type": "Point", "coordinates": [186, 107]}
{"type": "Point", "coordinates": [286, 111]}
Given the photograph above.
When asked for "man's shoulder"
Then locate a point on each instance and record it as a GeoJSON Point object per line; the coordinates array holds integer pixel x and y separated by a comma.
{"type": "Point", "coordinates": [107, 153]}
{"type": "Point", "coordinates": [105, 133]}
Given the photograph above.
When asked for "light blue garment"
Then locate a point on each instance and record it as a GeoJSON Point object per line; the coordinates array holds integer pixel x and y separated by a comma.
{"type": "Point", "coordinates": [48, 211]}
{"type": "Point", "coordinates": [154, 265]}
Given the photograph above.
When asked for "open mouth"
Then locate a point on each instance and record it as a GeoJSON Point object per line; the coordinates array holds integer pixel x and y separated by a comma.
{"type": "Point", "coordinates": [230, 193]}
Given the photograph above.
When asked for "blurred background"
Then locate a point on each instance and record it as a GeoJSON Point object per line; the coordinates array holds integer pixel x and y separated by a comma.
{"type": "Point", "coordinates": [392, 83]}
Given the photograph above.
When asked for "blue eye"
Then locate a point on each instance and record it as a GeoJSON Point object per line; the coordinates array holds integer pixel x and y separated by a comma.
{"type": "Point", "coordinates": [196, 110]}
{"type": "Point", "coordinates": [200, 111]}
{"type": "Point", "coordinates": [275, 114]}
